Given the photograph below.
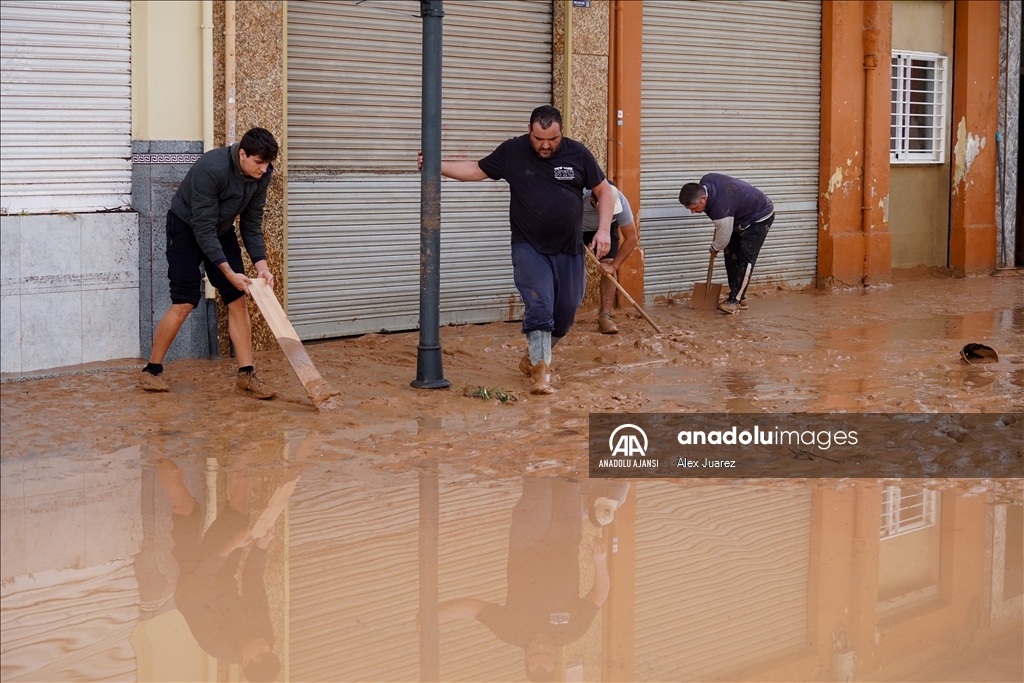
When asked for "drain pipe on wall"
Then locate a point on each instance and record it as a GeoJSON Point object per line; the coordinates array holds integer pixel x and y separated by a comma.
{"type": "Point", "coordinates": [614, 121]}
{"type": "Point", "coordinates": [212, 317]}
{"type": "Point", "coordinates": [207, 27]}
{"type": "Point", "coordinates": [871, 11]}
{"type": "Point", "coordinates": [229, 71]}
{"type": "Point", "coordinates": [213, 343]}
{"type": "Point", "coordinates": [567, 68]}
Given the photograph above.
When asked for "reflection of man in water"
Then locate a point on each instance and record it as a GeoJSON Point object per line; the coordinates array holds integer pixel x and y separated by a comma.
{"type": "Point", "coordinates": [542, 609]}
{"type": "Point", "coordinates": [232, 626]}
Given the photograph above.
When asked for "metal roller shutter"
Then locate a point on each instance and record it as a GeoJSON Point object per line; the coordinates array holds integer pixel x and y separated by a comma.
{"type": "Point", "coordinates": [354, 580]}
{"type": "Point", "coordinates": [353, 132]}
{"type": "Point", "coordinates": [65, 144]}
{"type": "Point", "coordinates": [732, 87]}
{"type": "Point", "coordinates": [722, 575]}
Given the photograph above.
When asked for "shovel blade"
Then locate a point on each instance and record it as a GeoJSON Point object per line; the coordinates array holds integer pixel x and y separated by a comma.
{"type": "Point", "coordinates": [705, 297]}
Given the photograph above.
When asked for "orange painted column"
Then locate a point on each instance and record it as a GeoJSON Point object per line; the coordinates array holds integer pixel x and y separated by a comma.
{"type": "Point", "coordinates": [863, 595]}
{"type": "Point", "coordinates": [972, 240]}
{"type": "Point", "coordinates": [840, 240]}
{"type": "Point", "coordinates": [853, 234]}
{"type": "Point", "coordinates": [628, 44]}
{"type": "Point", "coordinates": [832, 533]}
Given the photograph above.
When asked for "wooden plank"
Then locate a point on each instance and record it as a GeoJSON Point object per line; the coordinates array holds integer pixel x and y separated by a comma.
{"type": "Point", "coordinates": [322, 394]}
{"type": "Point", "coordinates": [275, 506]}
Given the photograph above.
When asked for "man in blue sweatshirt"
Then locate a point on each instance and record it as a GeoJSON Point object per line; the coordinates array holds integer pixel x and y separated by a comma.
{"type": "Point", "coordinates": [742, 215]}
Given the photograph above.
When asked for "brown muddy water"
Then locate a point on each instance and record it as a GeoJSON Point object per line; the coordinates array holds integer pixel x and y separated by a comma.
{"type": "Point", "coordinates": [437, 535]}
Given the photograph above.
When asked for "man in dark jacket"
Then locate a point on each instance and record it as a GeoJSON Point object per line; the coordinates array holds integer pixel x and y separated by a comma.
{"type": "Point", "coordinates": [742, 215]}
{"type": "Point", "coordinates": [232, 625]}
{"type": "Point", "coordinates": [225, 183]}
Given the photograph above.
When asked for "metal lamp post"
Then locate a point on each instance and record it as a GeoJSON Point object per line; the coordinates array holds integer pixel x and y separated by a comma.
{"type": "Point", "coordinates": [429, 370]}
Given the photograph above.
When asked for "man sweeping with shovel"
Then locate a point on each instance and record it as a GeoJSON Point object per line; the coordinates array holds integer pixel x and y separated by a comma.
{"type": "Point", "coordinates": [742, 215]}
{"type": "Point", "coordinates": [547, 175]}
{"type": "Point", "coordinates": [622, 220]}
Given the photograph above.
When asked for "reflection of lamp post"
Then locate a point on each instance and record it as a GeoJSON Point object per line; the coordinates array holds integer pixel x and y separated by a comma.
{"type": "Point", "coordinates": [429, 372]}
{"type": "Point", "coordinates": [430, 640]}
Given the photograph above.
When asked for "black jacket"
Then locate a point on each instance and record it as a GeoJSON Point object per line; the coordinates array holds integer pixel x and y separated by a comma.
{"type": "Point", "coordinates": [215, 191]}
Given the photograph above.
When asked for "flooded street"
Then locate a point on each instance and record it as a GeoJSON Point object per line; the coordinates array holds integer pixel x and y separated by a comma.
{"type": "Point", "coordinates": [438, 535]}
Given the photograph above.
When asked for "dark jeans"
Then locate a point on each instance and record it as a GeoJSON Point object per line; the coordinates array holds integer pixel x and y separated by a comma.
{"type": "Point", "coordinates": [551, 286]}
{"type": "Point", "coordinates": [548, 509]}
{"type": "Point", "coordinates": [184, 256]}
{"type": "Point", "coordinates": [741, 255]}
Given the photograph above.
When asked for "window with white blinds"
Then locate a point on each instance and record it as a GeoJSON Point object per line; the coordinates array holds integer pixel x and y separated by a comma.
{"type": "Point", "coordinates": [919, 108]}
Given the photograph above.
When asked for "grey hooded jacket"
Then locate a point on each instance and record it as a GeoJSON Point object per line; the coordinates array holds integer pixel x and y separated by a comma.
{"type": "Point", "coordinates": [215, 191]}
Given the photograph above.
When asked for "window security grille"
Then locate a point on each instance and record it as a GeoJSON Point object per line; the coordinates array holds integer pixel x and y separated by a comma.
{"type": "Point", "coordinates": [905, 510]}
{"type": "Point", "coordinates": [919, 108]}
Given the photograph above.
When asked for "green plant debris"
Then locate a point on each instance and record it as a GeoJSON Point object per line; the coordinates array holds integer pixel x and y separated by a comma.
{"type": "Point", "coordinates": [486, 394]}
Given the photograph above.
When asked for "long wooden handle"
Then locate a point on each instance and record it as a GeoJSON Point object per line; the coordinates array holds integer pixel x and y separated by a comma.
{"type": "Point", "coordinates": [711, 266]}
{"type": "Point", "coordinates": [622, 291]}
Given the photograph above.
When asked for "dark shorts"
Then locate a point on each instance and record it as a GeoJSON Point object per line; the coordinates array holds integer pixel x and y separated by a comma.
{"type": "Point", "coordinates": [184, 257]}
{"type": "Point", "coordinates": [588, 237]}
{"type": "Point", "coordinates": [191, 545]}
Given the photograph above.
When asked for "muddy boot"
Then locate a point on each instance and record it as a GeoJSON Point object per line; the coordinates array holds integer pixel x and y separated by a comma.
{"type": "Point", "coordinates": [605, 324]}
{"type": "Point", "coordinates": [151, 382]}
{"type": "Point", "coordinates": [250, 384]}
{"type": "Point", "coordinates": [525, 366]}
{"type": "Point", "coordinates": [541, 379]}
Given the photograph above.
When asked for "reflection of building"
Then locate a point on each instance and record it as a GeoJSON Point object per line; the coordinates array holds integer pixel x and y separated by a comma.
{"type": "Point", "coordinates": [354, 580]}
{"type": "Point", "coordinates": [763, 578]}
{"type": "Point", "coordinates": [738, 562]}
{"type": "Point", "coordinates": [70, 598]}
{"type": "Point", "coordinates": [757, 580]}
{"type": "Point", "coordinates": [88, 581]}
{"type": "Point", "coordinates": [737, 582]}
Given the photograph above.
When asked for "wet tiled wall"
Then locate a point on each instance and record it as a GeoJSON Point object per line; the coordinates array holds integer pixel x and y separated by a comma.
{"type": "Point", "coordinates": [158, 167]}
{"type": "Point", "coordinates": [70, 289]}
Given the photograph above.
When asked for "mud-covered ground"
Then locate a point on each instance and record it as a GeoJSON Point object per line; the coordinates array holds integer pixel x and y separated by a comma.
{"type": "Point", "coordinates": [891, 349]}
